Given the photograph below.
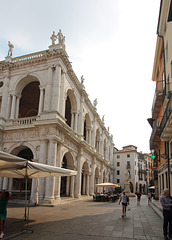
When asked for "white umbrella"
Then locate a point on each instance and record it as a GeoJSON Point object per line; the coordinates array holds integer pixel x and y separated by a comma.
{"type": "Point", "coordinates": [107, 184]}
{"type": "Point", "coordinates": [15, 167]}
{"type": "Point", "coordinates": [152, 187]}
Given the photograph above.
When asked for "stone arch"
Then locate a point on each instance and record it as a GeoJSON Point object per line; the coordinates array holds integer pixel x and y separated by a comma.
{"type": "Point", "coordinates": [16, 183]}
{"type": "Point", "coordinates": [67, 183]}
{"type": "Point", "coordinates": [97, 142]}
{"type": "Point", "coordinates": [17, 147]}
{"type": "Point", "coordinates": [87, 128]}
{"type": "Point", "coordinates": [28, 91]}
{"type": "Point", "coordinates": [85, 179]}
{"type": "Point", "coordinates": [71, 108]}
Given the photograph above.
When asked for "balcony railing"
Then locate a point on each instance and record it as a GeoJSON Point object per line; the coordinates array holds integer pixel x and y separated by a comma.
{"type": "Point", "coordinates": [158, 98]}
{"type": "Point", "coordinates": [24, 121]}
{"type": "Point", "coordinates": [155, 136]}
{"type": "Point", "coordinates": [166, 115]}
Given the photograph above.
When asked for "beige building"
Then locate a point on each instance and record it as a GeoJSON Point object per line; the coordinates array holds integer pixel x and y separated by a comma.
{"type": "Point", "coordinates": [46, 116]}
{"type": "Point", "coordinates": [128, 159]}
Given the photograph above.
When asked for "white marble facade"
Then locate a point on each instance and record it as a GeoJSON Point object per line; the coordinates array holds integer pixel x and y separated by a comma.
{"type": "Point", "coordinates": [46, 116]}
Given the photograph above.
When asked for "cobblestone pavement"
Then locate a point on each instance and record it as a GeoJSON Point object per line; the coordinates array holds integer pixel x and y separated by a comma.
{"type": "Point", "coordinates": [85, 219]}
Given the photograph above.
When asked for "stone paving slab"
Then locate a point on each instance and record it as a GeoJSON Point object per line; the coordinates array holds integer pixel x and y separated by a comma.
{"type": "Point", "coordinates": [85, 219]}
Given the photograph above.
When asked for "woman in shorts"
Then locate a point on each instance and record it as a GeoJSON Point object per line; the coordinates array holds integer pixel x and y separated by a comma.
{"type": "Point", "coordinates": [125, 201]}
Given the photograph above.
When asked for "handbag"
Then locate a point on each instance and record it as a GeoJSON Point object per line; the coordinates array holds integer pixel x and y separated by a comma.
{"type": "Point", "coordinates": [129, 208]}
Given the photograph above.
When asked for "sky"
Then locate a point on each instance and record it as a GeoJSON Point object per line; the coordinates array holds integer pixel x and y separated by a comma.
{"type": "Point", "coordinates": [111, 43]}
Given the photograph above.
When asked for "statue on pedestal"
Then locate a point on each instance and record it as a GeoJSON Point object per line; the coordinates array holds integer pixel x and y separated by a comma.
{"type": "Point", "coordinates": [10, 50]}
{"type": "Point", "coordinates": [53, 38]}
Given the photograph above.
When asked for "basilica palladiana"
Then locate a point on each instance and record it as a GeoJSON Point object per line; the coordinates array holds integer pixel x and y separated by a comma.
{"type": "Point", "coordinates": [47, 117]}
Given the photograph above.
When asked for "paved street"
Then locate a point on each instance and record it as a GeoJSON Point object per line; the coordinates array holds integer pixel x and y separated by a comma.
{"type": "Point", "coordinates": [85, 219]}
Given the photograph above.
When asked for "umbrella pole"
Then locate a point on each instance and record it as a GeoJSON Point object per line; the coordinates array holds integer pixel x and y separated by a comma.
{"type": "Point", "coordinates": [26, 217]}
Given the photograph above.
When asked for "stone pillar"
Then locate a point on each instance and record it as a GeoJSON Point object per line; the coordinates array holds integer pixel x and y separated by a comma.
{"type": "Point", "coordinates": [72, 186]}
{"type": "Point", "coordinates": [81, 122]}
{"type": "Point", "coordinates": [17, 106]}
{"type": "Point", "coordinates": [62, 98]}
{"type": "Point", "coordinates": [72, 120]}
{"type": "Point", "coordinates": [92, 182]}
{"type": "Point", "coordinates": [9, 106]}
{"type": "Point", "coordinates": [41, 100]}
{"type": "Point", "coordinates": [5, 97]}
{"type": "Point", "coordinates": [5, 183]}
{"type": "Point", "coordinates": [13, 108]}
{"type": "Point", "coordinates": [87, 134]}
{"type": "Point", "coordinates": [10, 184]}
{"type": "Point", "coordinates": [56, 89]}
{"type": "Point", "coordinates": [50, 181]}
{"type": "Point", "coordinates": [84, 184]}
{"type": "Point", "coordinates": [42, 159]}
{"type": "Point", "coordinates": [78, 176]}
{"type": "Point", "coordinates": [94, 134]}
{"type": "Point", "coordinates": [67, 186]}
{"type": "Point", "coordinates": [76, 122]}
{"type": "Point", "coordinates": [58, 164]}
{"type": "Point", "coordinates": [88, 184]}
{"type": "Point", "coordinates": [89, 140]}
{"type": "Point", "coordinates": [48, 91]}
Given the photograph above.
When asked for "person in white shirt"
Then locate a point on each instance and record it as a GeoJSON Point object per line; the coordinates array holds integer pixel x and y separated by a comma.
{"type": "Point", "coordinates": [125, 201]}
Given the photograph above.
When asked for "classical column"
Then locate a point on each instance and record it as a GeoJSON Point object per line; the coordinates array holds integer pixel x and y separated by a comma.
{"type": "Point", "coordinates": [72, 186]}
{"type": "Point", "coordinates": [56, 89]}
{"type": "Point", "coordinates": [17, 106]}
{"type": "Point", "coordinates": [78, 177]}
{"type": "Point", "coordinates": [94, 134]}
{"type": "Point", "coordinates": [5, 183]}
{"type": "Point", "coordinates": [62, 95]}
{"type": "Point", "coordinates": [41, 100]}
{"type": "Point", "coordinates": [84, 184]}
{"type": "Point", "coordinates": [5, 97]}
{"type": "Point", "coordinates": [13, 108]}
{"type": "Point", "coordinates": [72, 120]}
{"type": "Point", "coordinates": [87, 134]}
{"type": "Point", "coordinates": [88, 184]}
{"type": "Point", "coordinates": [76, 122]}
{"type": "Point", "coordinates": [92, 178]}
{"type": "Point", "coordinates": [42, 159]}
{"type": "Point", "coordinates": [67, 186]}
{"type": "Point", "coordinates": [58, 164]}
{"type": "Point", "coordinates": [50, 181]}
{"type": "Point", "coordinates": [81, 122]}
{"type": "Point", "coordinates": [8, 106]}
{"type": "Point", "coordinates": [48, 91]}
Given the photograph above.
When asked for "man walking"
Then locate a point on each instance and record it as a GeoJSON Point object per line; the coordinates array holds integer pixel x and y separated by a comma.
{"type": "Point", "coordinates": [166, 203]}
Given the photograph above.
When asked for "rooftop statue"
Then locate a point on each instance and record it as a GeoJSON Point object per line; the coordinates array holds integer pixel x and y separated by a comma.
{"type": "Point", "coordinates": [10, 50]}
{"type": "Point", "coordinates": [53, 38]}
{"type": "Point", "coordinates": [95, 102]}
{"type": "Point", "coordinates": [103, 118]}
{"type": "Point", "coordinates": [82, 79]}
{"type": "Point", "coordinates": [60, 36]}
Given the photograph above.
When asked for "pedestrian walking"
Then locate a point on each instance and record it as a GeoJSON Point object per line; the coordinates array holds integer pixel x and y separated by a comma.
{"type": "Point", "coordinates": [4, 197]}
{"type": "Point", "coordinates": [138, 194]}
{"type": "Point", "coordinates": [166, 203]}
{"type": "Point", "coordinates": [125, 201]}
{"type": "Point", "coordinates": [149, 197]}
